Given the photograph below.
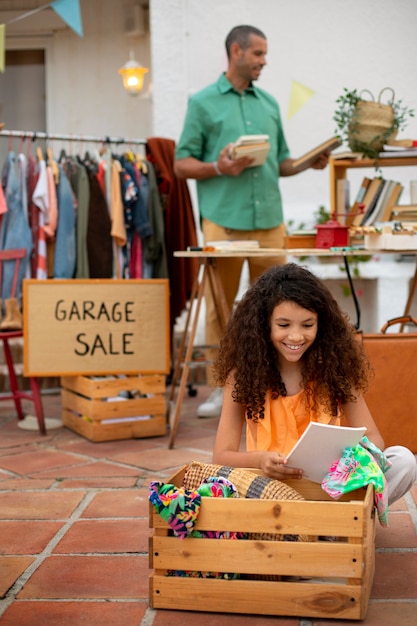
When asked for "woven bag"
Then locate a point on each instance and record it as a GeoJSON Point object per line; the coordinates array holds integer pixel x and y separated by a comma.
{"type": "Point", "coordinates": [372, 123]}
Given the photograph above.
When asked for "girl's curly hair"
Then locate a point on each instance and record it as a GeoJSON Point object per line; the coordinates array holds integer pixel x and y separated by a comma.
{"type": "Point", "coordinates": [334, 368]}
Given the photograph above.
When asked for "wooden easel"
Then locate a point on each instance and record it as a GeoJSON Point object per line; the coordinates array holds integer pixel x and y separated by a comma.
{"type": "Point", "coordinates": [208, 271]}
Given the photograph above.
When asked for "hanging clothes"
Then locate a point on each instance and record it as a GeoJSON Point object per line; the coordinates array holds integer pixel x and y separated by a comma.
{"type": "Point", "coordinates": [15, 231]}
{"type": "Point", "coordinates": [41, 200]}
{"type": "Point", "coordinates": [99, 241]}
{"type": "Point", "coordinates": [3, 205]}
{"type": "Point", "coordinates": [134, 200]}
{"type": "Point", "coordinates": [33, 212]}
{"type": "Point", "coordinates": [154, 248]}
{"type": "Point", "coordinates": [118, 226]}
{"type": "Point", "coordinates": [180, 230]}
{"type": "Point", "coordinates": [78, 178]}
{"type": "Point", "coordinates": [116, 212]}
{"type": "Point", "coordinates": [65, 248]}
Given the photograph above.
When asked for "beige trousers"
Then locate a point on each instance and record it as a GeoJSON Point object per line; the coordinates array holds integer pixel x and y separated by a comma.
{"type": "Point", "coordinates": [230, 270]}
{"type": "Point", "coordinates": [402, 475]}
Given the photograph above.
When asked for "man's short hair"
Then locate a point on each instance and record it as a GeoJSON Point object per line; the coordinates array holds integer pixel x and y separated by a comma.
{"type": "Point", "coordinates": [241, 35]}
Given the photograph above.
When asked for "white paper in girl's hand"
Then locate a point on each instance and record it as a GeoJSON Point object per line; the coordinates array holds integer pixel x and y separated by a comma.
{"type": "Point", "coordinates": [320, 446]}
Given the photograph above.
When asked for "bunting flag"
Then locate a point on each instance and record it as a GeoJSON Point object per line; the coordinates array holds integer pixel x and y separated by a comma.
{"type": "Point", "coordinates": [2, 48]}
{"type": "Point", "coordinates": [299, 96]}
{"type": "Point", "coordinates": [69, 11]}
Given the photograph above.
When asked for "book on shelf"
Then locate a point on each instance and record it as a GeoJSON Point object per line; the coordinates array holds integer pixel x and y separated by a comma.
{"type": "Point", "coordinates": [391, 201]}
{"type": "Point", "coordinates": [379, 206]}
{"type": "Point", "coordinates": [368, 198]}
{"type": "Point", "coordinates": [346, 155]}
{"type": "Point", "coordinates": [404, 212]}
{"type": "Point", "coordinates": [374, 204]}
{"type": "Point", "coordinates": [320, 446]}
{"type": "Point", "coordinates": [342, 199]}
{"type": "Point", "coordinates": [382, 201]}
{"type": "Point", "coordinates": [309, 157]}
{"type": "Point", "coordinates": [400, 143]}
{"type": "Point", "coordinates": [354, 210]}
{"type": "Point", "coordinates": [234, 244]}
{"type": "Point", "coordinates": [254, 146]}
{"type": "Point", "coordinates": [396, 152]}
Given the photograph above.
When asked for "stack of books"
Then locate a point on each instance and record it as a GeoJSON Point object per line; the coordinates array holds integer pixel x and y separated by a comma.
{"type": "Point", "coordinates": [405, 213]}
{"type": "Point", "coordinates": [254, 146]}
{"type": "Point", "coordinates": [400, 148]}
{"type": "Point", "coordinates": [375, 202]}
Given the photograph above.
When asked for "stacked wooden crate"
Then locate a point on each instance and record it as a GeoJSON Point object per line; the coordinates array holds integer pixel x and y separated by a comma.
{"type": "Point", "coordinates": [103, 408]}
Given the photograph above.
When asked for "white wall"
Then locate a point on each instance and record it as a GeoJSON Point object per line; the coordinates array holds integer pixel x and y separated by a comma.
{"type": "Point", "coordinates": [324, 44]}
{"type": "Point", "coordinates": [84, 92]}
{"type": "Point", "coordinates": [87, 95]}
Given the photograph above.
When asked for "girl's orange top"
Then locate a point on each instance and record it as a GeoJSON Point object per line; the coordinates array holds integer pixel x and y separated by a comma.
{"type": "Point", "coordinates": [285, 420]}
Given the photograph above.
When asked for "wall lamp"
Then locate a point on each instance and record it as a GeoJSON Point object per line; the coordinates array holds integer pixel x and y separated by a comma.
{"type": "Point", "coordinates": [133, 75]}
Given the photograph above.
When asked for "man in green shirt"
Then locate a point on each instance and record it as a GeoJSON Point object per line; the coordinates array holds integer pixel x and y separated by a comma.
{"type": "Point", "coordinates": [236, 201]}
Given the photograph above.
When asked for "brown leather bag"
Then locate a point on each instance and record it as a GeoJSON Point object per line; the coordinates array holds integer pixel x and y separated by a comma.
{"type": "Point", "coordinates": [392, 394]}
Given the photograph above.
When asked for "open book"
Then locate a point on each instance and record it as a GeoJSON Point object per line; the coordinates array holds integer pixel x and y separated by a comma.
{"type": "Point", "coordinates": [320, 446]}
{"type": "Point", "coordinates": [254, 146]}
{"type": "Point", "coordinates": [309, 157]}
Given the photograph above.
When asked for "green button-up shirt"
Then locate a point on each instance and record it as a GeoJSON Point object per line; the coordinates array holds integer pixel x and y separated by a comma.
{"type": "Point", "coordinates": [216, 116]}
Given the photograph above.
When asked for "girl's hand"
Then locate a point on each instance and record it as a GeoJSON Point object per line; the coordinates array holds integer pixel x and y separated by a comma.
{"type": "Point", "coordinates": [274, 465]}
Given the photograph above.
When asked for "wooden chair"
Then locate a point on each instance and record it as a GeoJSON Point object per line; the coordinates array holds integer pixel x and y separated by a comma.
{"type": "Point", "coordinates": [16, 394]}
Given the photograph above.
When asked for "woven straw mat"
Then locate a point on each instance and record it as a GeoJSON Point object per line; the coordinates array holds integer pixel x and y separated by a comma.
{"type": "Point", "coordinates": [248, 484]}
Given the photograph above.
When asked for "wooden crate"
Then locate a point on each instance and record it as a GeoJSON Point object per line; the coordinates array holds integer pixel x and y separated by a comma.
{"type": "Point", "coordinates": [92, 408]}
{"type": "Point", "coordinates": [319, 579]}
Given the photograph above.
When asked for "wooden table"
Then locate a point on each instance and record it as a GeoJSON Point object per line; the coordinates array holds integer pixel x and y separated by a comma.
{"type": "Point", "coordinates": [208, 272]}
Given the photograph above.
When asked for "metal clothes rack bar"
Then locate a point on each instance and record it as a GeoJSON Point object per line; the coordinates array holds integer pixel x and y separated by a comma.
{"type": "Point", "coordinates": [23, 134]}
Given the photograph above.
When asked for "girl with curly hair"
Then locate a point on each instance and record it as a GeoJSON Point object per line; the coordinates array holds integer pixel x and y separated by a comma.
{"type": "Point", "coordinates": [289, 356]}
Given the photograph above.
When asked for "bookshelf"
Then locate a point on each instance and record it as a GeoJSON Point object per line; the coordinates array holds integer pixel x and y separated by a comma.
{"type": "Point", "coordinates": [338, 170]}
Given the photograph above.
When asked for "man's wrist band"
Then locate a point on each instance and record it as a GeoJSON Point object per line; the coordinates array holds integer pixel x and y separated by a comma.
{"type": "Point", "coordinates": [216, 167]}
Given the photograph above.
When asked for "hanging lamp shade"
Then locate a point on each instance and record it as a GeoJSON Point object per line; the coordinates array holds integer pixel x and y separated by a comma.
{"type": "Point", "coordinates": [133, 74]}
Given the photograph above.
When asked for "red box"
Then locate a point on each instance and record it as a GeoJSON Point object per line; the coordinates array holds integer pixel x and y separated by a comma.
{"type": "Point", "coordinates": [331, 234]}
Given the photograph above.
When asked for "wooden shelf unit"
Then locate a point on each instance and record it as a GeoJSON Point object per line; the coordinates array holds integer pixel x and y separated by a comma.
{"type": "Point", "coordinates": [338, 169]}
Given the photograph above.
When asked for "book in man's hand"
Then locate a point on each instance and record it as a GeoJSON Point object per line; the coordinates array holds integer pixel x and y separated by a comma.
{"type": "Point", "coordinates": [320, 446]}
{"type": "Point", "coordinates": [254, 146]}
{"type": "Point", "coordinates": [309, 157]}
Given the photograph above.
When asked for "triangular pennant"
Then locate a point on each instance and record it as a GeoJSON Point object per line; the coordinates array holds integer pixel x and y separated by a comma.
{"type": "Point", "coordinates": [2, 47]}
{"type": "Point", "coordinates": [69, 11]}
{"type": "Point", "coordinates": [300, 95]}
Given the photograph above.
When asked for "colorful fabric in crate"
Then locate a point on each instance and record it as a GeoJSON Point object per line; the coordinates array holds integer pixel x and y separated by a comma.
{"type": "Point", "coordinates": [359, 466]}
{"type": "Point", "coordinates": [180, 507]}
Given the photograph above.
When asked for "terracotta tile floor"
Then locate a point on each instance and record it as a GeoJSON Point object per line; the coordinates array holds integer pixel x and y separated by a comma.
{"type": "Point", "coordinates": [74, 530]}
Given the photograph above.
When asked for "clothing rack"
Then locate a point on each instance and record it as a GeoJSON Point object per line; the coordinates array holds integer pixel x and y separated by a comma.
{"type": "Point", "coordinates": [34, 135]}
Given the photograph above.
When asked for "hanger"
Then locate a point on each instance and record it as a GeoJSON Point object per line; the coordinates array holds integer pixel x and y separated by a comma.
{"type": "Point", "coordinates": [141, 163]}
{"type": "Point", "coordinates": [39, 154]}
{"type": "Point", "coordinates": [53, 164]}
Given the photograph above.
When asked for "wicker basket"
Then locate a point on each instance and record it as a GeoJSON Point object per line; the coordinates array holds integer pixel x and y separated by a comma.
{"type": "Point", "coordinates": [372, 123]}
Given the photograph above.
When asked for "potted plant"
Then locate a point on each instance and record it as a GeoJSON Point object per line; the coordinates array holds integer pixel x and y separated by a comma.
{"type": "Point", "coordinates": [366, 125]}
